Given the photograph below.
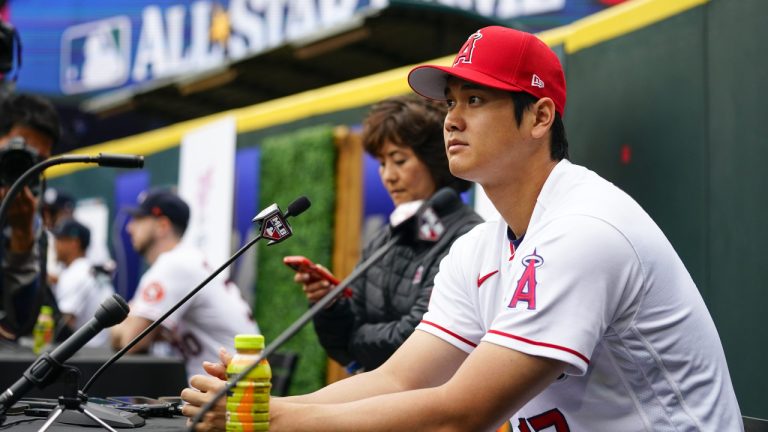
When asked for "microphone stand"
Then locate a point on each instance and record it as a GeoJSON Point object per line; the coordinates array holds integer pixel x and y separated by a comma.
{"type": "Point", "coordinates": [103, 159]}
{"type": "Point", "coordinates": [273, 227]}
{"type": "Point", "coordinates": [74, 400]}
{"type": "Point", "coordinates": [437, 200]}
{"type": "Point", "coordinates": [173, 309]}
{"type": "Point", "coordinates": [47, 367]}
{"type": "Point", "coordinates": [296, 326]}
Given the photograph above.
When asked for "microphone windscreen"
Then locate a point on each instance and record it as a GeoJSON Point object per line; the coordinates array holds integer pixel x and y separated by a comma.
{"type": "Point", "coordinates": [442, 199]}
{"type": "Point", "coordinates": [113, 310]}
{"type": "Point", "coordinates": [298, 206]}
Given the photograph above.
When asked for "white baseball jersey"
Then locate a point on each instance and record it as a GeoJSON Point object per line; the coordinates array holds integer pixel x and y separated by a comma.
{"type": "Point", "coordinates": [596, 285]}
{"type": "Point", "coordinates": [79, 293]}
{"type": "Point", "coordinates": [209, 320]}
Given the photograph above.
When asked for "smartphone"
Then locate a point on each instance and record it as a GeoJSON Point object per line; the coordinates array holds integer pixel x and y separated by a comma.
{"type": "Point", "coordinates": [103, 401]}
{"type": "Point", "coordinates": [171, 399]}
{"type": "Point", "coordinates": [134, 400]}
{"type": "Point", "coordinates": [146, 406]}
{"type": "Point", "coordinates": [37, 412]}
{"type": "Point", "coordinates": [305, 265]}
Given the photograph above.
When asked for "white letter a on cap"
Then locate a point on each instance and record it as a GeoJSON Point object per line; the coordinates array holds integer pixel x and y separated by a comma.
{"type": "Point", "coordinates": [465, 53]}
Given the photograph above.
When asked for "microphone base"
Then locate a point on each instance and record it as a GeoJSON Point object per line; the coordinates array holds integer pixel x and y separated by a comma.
{"type": "Point", "coordinates": [111, 416]}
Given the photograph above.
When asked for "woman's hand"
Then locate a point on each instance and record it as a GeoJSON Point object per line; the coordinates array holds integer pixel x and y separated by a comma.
{"type": "Point", "coordinates": [315, 287]}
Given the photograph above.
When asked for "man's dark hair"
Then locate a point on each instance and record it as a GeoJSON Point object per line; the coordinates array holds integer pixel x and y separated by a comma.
{"type": "Point", "coordinates": [32, 111]}
{"type": "Point", "coordinates": [417, 123]}
{"type": "Point", "coordinates": [558, 147]}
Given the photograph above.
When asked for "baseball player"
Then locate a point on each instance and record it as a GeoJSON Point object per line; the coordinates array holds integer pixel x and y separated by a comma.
{"type": "Point", "coordinates": [80, 290]}
{"type": "Point", "coordinates": [572, 313]}
{"type": "Point", "coordinates": [209, 319]}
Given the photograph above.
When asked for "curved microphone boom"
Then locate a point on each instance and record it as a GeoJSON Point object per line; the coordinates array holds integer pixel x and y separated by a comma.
{"type": "Point", "coordinates": [44, 370]}
{"type": "Point", "coordinates": [103, 159]}
{"type": "Point", "coordinates": [436, 203]}
{"type": "Point", "coordinates": [272, 226]}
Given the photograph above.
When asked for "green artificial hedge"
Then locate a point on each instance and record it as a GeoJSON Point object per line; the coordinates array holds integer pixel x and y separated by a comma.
{"type": "Point", "coordinates": [295, 164]}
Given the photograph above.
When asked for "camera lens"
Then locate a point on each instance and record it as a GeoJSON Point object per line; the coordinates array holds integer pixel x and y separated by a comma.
{"type": "Point", "coordinates": [14, 162]}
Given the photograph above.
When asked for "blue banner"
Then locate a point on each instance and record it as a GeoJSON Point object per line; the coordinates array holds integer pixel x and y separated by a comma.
{"type": "Point", "coordinates": [78, 48]}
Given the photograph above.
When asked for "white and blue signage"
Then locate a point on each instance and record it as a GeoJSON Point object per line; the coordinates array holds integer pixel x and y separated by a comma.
{"type": "Point", "coordinates": [78, 47]}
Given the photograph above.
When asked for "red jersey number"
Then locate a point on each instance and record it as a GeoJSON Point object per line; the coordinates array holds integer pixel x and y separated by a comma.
{"type": "Point", "coordinates": [543, 421]}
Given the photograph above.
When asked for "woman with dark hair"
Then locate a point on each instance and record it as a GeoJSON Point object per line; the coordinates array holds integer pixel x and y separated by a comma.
{"type": "Point", "coordinates": [406, 135]}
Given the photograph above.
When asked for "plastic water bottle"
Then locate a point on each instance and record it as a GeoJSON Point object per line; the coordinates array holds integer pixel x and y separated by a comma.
{"type": "Point", "coordinates": [248, 400]}
{"type": "Point", "coordinates": [42, 333]}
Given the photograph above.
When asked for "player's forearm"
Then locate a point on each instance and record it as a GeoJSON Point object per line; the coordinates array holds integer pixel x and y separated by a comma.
{"type": "Point", "coordinates": [356, 387]}
{"type": "Point", "coordinates": [423, 410]}
{"type": "Point", "coordinates": [125, 332]}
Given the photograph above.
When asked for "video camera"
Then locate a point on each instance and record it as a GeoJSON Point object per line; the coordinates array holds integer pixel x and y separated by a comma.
{"type": "Point", "coordinates": [15, 159]}
{"type": "Point", "coordinates": [10, 51]}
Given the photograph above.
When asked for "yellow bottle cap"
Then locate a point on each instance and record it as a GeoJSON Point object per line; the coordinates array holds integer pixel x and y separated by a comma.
{"type": "Point", "coordinates": [247, 341]}
{"type": "Point", "coordinates": [46, 310]}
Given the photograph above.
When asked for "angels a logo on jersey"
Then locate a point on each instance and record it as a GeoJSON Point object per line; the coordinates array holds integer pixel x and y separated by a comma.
{"type": "Point", "coordinates": [526, 285]}
{"type": "Point", "coordinates": [153, 293]}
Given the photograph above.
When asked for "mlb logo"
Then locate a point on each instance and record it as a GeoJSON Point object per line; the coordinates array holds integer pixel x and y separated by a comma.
{"type": "Point", "coordinates": [274, 228]}
{"type": "Point", "coordinates": [95, 55]}
{"type": "Point", "coordinates": [430, 227]}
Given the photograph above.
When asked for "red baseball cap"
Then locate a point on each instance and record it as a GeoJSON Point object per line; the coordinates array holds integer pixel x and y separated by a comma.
{"type": "Point", "coordinates": [501, 58]}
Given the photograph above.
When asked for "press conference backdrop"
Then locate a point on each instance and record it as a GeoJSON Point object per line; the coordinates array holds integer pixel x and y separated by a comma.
{"type": "Point", "coordinates": [670, 109]}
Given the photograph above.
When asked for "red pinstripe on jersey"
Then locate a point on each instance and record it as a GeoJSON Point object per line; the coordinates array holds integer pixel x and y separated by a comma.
{"type": "Point", "coordinates": [544, 344]}
{"type": "Point", "coordinates": [439, 327]}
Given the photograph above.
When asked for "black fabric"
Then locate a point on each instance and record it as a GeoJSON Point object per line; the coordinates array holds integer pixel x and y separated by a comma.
{"type": "Point", "coordinates": [389, 300]}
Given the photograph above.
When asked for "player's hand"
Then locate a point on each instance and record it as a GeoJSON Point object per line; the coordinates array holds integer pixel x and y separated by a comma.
{"type": "Point", "coordinates": [202, 391]}
{"type": "Point", "coordinates": [20, 218]}
{"type": "Point", "coordinates": [219, 370]}
{"type": "Point", "coordinates": [314, 287]}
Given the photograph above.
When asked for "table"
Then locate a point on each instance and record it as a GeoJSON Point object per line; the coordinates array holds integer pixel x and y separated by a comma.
{"type": "Point", "coordinates": [134, 374]}
{"type": "Point", "coordinates": [155, 424]}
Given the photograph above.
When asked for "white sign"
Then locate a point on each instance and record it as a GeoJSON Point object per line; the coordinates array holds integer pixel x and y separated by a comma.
{"type": "Point", "coordinates": [94, 214]}
{"type": "Point", "coordinates": [206, 183]}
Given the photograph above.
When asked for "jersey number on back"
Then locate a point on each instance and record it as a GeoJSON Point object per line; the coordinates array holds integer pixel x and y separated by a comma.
{"type": "Point", "coordinates": [543, 421]}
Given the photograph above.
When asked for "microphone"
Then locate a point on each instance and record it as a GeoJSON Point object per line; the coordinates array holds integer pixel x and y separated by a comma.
{"type": "Point", "coordinates": [109, 160]}
{"type": "Point", "coordinates": [272, 226]}
{"type": "Point", "coordinates": [430, 228]}
{"type": "Point", "coordinates": [44, 370]}
{"type": "Point", "coordinates": [438, 203]}
{"type": "Point", "coordinates": [272, 223]}
{"type": "Point", "coordinates": [120, 160]}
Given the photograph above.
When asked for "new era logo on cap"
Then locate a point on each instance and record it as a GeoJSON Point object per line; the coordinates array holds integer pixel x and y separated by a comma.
{"type": "Point", "coordinates": [537, 82]}
{"type": "Point", "coordinates": [501, 58]}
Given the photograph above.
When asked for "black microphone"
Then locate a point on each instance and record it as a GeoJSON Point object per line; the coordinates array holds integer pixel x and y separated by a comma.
{"type": "Point", "coordinates": [272, 226]}
{"type": "Point", "coordinates": [44, 370]}
{"type": "Point", "coordinates": [430, 227]}
{"type": "Point", "coordinates": [439, 202]}
{"type": "Point", "coordinates": [120, 160]}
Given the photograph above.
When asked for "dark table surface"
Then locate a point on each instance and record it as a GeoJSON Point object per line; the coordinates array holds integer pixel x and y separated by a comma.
{"type": "Point", "coordinates": [29, 424]}
{"type": "Point", "coordinates": [135, 374]}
